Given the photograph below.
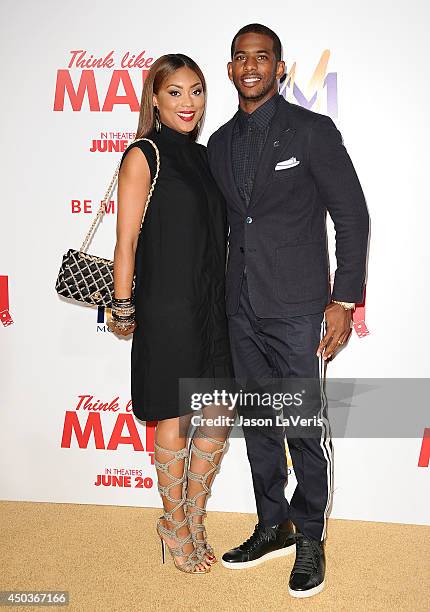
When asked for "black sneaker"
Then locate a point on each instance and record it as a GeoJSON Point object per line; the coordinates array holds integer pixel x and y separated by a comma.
{"type": "Point", "coordinates": [265, 543]}
{"type": "Point", "coordinates": [307, 575]}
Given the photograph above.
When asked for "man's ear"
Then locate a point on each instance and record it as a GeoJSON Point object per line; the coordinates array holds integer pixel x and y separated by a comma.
{"type": "Point", "coordinates": [230, 71]}
{"type": "Point", "coordinates": [280, 69]}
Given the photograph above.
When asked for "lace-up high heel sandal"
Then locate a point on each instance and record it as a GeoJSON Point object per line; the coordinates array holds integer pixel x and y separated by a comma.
{"type": "Point", "coordinates": [198, 530]}
{"type": "Point", "coordinates": [193, 563]}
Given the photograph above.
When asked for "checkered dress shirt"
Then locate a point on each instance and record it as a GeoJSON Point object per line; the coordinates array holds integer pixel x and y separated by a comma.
{"type": "Point", "coordinates": [249, 135]}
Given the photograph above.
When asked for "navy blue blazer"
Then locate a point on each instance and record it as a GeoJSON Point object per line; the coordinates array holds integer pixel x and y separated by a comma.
{"type": "Point", "coordinates": [281, 237]}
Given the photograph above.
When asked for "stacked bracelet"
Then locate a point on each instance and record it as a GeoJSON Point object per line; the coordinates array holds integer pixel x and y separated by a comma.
{"type": "Point", "coordinates": [123, 311]}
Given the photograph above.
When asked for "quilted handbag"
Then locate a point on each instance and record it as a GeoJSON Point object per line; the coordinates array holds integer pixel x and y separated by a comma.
{"type": "Point", "coordinates": [87, 278]}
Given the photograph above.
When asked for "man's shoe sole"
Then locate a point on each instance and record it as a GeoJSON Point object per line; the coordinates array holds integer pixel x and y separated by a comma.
{"type": "Point", "coordinates": [307, 593]}
{"type": "Point", "coordinates": [281, 552]}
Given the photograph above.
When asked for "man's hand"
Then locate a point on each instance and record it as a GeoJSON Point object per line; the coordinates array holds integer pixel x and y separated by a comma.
{"type": "Point", "coordinates": [338, 323]}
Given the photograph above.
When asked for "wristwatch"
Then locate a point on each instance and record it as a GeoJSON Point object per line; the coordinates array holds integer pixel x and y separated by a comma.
{"type": "Point", "coordinates": [345, 305]}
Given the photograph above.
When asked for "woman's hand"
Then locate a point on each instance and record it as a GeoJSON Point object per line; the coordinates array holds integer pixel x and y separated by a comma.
{"type": "Point", "coordinates": [121, 332]}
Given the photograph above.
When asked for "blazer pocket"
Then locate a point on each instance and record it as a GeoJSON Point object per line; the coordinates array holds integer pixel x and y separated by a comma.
{"type": "Point", "coordinates": [301, 272]}
{"type": "Point", "coordinates": [287, 173]}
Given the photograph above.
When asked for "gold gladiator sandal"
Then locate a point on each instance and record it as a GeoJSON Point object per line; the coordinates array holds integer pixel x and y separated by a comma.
{"type": "Point", "coordinates": [198, 530]}
{"type": "Point", "coordinates": [192, 559]}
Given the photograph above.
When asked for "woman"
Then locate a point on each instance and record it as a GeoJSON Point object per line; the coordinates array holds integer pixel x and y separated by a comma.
{"type": "Point", "coordinates": [177, 312]}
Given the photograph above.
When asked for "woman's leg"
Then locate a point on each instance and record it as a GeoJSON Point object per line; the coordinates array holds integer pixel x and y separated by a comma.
{"type": "Point", "coordinates": [206, 451]}
{"type": "Point", "coordinates": [171, 461]}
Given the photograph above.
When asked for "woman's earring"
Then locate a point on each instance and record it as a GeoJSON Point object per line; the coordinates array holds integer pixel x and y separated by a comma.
{"type": "Point", "coordinates": [199, 124]}
{"type": "Point", "coordinates": [157, 119]}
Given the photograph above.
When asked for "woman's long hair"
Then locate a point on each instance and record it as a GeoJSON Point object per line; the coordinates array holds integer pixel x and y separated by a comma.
{"type": "Point", "coordinates": [163, 67]}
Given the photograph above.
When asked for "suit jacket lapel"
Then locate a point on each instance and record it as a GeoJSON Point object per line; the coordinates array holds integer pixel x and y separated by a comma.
{"type": "Point", "coordinates": [278, 138]}
{"type": "Point", "coordinates": [228, 158]}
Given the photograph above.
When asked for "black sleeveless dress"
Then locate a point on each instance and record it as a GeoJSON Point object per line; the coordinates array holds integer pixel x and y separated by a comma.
{"type": "Point", "coordinates": [180, 267]}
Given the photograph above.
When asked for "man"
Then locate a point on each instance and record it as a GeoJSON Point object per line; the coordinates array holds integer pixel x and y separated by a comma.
{"type": "Point", "coordinates": [281, 168]}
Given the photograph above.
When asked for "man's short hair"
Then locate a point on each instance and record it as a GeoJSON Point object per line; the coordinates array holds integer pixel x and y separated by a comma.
{"type": "Point", "coordinates": [258, 28]}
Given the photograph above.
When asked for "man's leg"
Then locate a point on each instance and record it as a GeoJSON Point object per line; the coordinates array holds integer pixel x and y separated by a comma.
{"type": "Point", "coordinates": [293, 342]}
{"type": "Point", "coordinates": [265, 445]}
{"type": "Point", "coordinates": [265, 449]}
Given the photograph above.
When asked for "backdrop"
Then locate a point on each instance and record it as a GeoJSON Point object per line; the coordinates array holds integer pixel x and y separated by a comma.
{"type": "Point", "coordinates": [72, 77]}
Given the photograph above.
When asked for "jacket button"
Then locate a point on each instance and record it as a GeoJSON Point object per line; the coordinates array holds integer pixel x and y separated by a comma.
{"type": "Point", "coordinates": [248, 220]}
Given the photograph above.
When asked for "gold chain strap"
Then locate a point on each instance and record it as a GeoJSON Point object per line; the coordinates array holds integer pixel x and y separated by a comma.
{"type": "Point", "coordinates": [102, 208]}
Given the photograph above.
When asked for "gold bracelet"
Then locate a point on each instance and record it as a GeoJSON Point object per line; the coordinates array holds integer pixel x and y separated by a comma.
{"type": "Point", "coordinates": [345, 305]}
{"type": "Point", "coordinates": [123, 311]}
{"type": "Point", "coordinates": [121, 325]}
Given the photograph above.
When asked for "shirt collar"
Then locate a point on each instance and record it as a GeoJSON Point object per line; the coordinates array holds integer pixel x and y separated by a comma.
{"type": "Point", "coordinates": [262, 116]}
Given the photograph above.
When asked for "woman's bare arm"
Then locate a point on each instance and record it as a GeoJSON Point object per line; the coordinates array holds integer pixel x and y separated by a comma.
{"type": "Point", "coordinates": [134, 182]}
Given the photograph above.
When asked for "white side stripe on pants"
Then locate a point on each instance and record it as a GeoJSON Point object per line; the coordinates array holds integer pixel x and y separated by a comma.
{"type": "Point", "coordinates": [325, 440]}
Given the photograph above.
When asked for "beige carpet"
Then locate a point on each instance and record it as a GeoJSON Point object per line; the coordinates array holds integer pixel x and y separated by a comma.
{"type": "Point", "coordinates": [109, 559]}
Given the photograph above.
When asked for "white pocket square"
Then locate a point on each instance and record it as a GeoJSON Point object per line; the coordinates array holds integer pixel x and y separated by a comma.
{"type": "Point", "coordinates": [288, 163]}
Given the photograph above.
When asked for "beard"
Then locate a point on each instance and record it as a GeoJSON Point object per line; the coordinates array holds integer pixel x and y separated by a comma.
{"type": "Point", "coordinates": [266, 88]}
